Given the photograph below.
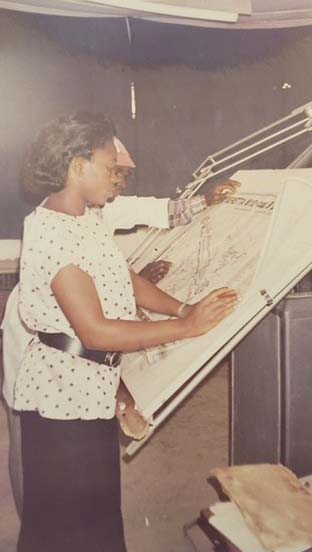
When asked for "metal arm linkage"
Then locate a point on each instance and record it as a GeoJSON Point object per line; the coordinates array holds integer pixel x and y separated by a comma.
{"type": "Point", "coordinates": [288, 128]}
{"type": "Point", "coordinates": [269, 137]}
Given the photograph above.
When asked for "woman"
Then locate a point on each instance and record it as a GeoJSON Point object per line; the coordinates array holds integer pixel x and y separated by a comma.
{"type": "Point", "coordinates": [77, 293]}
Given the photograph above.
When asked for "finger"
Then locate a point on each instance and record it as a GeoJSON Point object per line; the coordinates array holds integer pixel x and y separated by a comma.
{"type": "Point", "coordinates": [164, 266]}
{"type": "Point", "coordinates": [220, 313]}
{"type": "Point", "coordinates": [158, 274]}
{"type": "Point", "coordinates": [235, 183]}
{"type": "Point", "coordinates": [229, 293]}
{"type": "Point", "coordinates": [153, 266]}
{"type": "Point", "coordinates": [231, 183]}
{"type": "Point", "coordinates": [217, 309]}
{"type": "Point", "coordinates": [225, 191]}
{"type": "Point", "coordinates": [227, 188]}
{"type": "Point", "coordinates": [219, 319]}
{"type": "Point", "coordinates": [227, 303]}
{"type": "Point", "coordinates": [157, 263]}
{"type": "Point", "coordinates": [219, 197]}
{"type": "Point", "coordinates": [156, 267]}
{"type": "Point", "coordinates": [161, 263]}
{"type": "Point", "coordinates": [224, 303]}
{"type": "Point", "coordinates": [157, 278]}
{"type": "Point", "coordinates": [224, 298]}
{"type": "Point", "coordinates": [225, 312]}
{"type": "Point", "coordinates": [216, 298]}
{"type": "Point", "coordinates": [216, 292]}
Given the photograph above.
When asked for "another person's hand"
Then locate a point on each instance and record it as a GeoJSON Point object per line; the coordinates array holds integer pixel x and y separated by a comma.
{"type": "Point", "coordinates": [154, 272]}
{"type": "Point", "coordinates": [221, 192]}
{"type": "Point", "coordinates": [210, 311]}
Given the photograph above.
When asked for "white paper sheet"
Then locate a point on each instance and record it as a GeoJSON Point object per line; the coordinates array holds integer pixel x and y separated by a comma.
{"type": "Point", "coordinates": [251, 248]}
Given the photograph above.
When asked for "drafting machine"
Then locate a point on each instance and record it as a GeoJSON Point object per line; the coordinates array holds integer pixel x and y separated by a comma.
{"type": "Point", "coordinates": [299, 122]}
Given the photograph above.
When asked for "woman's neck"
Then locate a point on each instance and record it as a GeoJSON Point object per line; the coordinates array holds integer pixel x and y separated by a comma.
{"type": "Point", "coordinates": [66, 201]}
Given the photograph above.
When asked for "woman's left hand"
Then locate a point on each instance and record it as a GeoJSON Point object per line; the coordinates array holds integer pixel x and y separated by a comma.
{"type": "Point", "coordinates": [154, 272]}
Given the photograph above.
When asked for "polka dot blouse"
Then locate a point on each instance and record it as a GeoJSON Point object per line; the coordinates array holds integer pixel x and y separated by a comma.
{"type": "Point", "coordinates": [55, 383]}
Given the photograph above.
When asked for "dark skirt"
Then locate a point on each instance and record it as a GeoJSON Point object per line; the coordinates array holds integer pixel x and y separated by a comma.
{"type": "Point", "coordinates": [71, 486]}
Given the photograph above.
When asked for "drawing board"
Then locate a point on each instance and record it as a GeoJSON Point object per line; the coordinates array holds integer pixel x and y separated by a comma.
{"type": "Point", "coordinates": [258, 242]}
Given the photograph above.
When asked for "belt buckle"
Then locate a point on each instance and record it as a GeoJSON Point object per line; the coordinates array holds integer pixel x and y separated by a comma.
{"type": "Point", "coordinates": [112, 358]}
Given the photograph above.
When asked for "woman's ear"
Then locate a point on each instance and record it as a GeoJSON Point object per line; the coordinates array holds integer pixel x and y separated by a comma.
{"type": "Point", "coordinates": [77, 165]}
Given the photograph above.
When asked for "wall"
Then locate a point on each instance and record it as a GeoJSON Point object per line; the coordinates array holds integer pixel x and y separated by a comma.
{"type": "Point", "coordinates": [186, 113]}
{"type": "Point", "coordinates": [39, 80]}
{"type": "Point", "coordinates": [196, 90]}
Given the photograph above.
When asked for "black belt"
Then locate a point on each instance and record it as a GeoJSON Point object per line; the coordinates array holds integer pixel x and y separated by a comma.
{"type": "Point", "coordinates": [63, 342]}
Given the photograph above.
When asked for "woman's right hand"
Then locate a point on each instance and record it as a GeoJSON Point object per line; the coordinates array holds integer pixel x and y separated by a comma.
{"type": "Point", "coordinates": [210, 311]}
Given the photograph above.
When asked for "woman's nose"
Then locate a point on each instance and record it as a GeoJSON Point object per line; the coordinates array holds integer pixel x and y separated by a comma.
{"type": "Point", "coordinates": [122, 183]}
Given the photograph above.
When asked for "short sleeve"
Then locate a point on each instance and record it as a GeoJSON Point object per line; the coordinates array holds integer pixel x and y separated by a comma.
{"type": "Point", "coordinates": [60, 250]}
{"type": "Point", "coordinates": [51, 242]}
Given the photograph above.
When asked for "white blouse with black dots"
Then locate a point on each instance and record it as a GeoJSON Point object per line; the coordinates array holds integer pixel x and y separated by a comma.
{"type": "Point", "coordinates": [55, 383]}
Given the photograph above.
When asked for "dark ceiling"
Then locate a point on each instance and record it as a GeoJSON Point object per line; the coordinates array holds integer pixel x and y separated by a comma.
{"type": "Point", "coordinates": [163, 44]}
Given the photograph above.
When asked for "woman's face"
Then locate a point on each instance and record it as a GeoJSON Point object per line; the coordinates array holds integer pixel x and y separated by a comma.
{"type": "Point", "coordinates": [98, 175]}
{"type": "Point", "coordinates": [120, 175]}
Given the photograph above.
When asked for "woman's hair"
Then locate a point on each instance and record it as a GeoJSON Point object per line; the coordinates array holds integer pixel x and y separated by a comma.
{"type": "Point", "coordinates": [76, 135]}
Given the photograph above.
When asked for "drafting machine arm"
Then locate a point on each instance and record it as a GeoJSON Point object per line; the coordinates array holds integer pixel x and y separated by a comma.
{"type": "Point", "coordinates": [258, 143]}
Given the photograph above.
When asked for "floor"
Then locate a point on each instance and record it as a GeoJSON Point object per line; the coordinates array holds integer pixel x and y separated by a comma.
{"type": "Point", "coordinates": [165, 485]}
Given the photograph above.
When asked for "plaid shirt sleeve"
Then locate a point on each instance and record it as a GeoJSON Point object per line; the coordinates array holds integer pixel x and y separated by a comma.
{"type": "Point", "coordinates": [181, 211]}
